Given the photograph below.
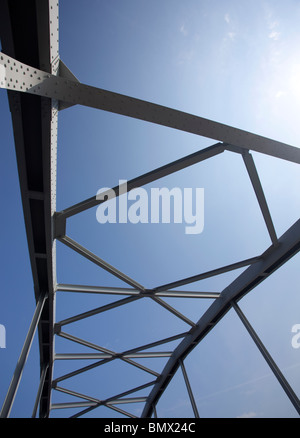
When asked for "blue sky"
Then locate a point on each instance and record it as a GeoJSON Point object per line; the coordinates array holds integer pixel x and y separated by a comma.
{"type": "Point", "coordinates": [235, 62]}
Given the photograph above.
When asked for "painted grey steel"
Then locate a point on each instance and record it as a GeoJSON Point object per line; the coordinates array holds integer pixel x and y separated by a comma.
{"type": "Point", "coordinates": [36, 82]}
{"type": "Point", "coordinates": [73, 405]}
{"type": "Point", "coordinates": [127, 400]}
{"type": "Point", "coordinates": [270, 361]}
{"type": "Point", "coordinates": [80, 356]}
{"type": "Point", "coordinates": [122, 303]}
{"type": "Point", "coordinates": [39, 84]}
{"type": "Point", "coordinates": [139, 181]}
{"type": "Point", "coordinates": [10, 396]}
{"type": "Point", "coordinates": [270, 261]}
{"type": "Point", "coordinates": [111, 356]}
{"type": "Point", "coordinates": [77, 394]}
{"type": "Point", "coordinates": [255, 181]}
{"type": "Point", "coordinates": [249, 162]}
{"type": "Point", "coordinates": [174, 311]}
{"type": "Point", "coordinates": [208, 274]}
{"type": "Point", "coordinates": [189, 389]}
{"type": "Point", "coordinates": [40, 389]}
{"type": "Point", "coordinates": [30, 31]}
{"type": "Point", "coordinates": [186, 294]}
{"type": "Point", "coordinates": [134, 292]}
{"type": "Point", "coordinates": [107, 402]}
{"type": "Point", "coordinates": [98, 261]}
{"type": "Point", "coordinates": [157, 343]}
{"type": "Point", "coordinates": [117, 409]}
{"type": "Point", "coordinates": [93, 404]}
{"type": "Point", "coordinates": [97, 311]}
{"type": "Point", "coordinates": [97, 289]}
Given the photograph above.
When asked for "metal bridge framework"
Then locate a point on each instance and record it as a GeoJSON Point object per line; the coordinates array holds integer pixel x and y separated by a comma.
{"type": "Point", "coordinates": [39, 85]}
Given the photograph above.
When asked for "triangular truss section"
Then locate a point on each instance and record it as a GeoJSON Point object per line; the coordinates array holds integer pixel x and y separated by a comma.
{"type": "Point", "coordinates": [49, 86]}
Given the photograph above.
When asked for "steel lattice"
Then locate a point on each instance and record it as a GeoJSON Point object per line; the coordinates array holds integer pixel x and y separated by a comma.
{"type": "Point", "coordinates": [47, 86]}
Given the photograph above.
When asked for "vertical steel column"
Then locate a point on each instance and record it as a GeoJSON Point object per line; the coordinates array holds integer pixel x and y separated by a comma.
{"type": "Point", "coordinates": [189, 389]}
{"type": "Point", "coordinates": [39, 393]}
{"type": "Point", "coordinates": [278, 374]}
{"type": "Point", "coordinates": [254, 177]}
{"type": "Point", "coordinates": [8, 402]}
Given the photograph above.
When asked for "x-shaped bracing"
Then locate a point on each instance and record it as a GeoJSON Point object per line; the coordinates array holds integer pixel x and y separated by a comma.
{"type": "Point", "coordinates": [66, 89]}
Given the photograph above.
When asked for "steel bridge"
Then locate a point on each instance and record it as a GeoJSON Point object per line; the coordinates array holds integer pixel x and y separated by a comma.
{"type": "Point", "coordinates": [39, 85]}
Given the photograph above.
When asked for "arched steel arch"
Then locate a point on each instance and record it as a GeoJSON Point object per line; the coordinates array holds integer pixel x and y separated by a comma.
{"type": "Point", "coordinates": [38, 86]}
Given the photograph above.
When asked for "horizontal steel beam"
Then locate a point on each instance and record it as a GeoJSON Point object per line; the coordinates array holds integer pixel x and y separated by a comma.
{"type": "Point", "coordinates": [134, 292]}
{"type": "Point", "coordinates": [77, 288]}
{"type": "Point", "coordinates": [127, 400]}
{"type": "Point", "coordinates": [71, 405]}
{"type": "Point", "coordinates": [186, 294]}
{"type": "Point", "coordinates": [128, 353]}
{"type": "Point", "coordinates": [94, 403]}
{"type": "Point", "coordinates": [91, 356]}
{"type": "Point", "coordinates": [111, 355]}
{"type": "Point", "coordinates": [37, 82]}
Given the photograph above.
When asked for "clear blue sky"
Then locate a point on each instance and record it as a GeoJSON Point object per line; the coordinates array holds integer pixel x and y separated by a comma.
{"type": "Point", "coordinates": [235, 62]}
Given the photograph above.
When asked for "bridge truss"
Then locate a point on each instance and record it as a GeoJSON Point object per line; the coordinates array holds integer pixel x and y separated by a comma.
{"type": "Point", "coordinates": [39, 85]}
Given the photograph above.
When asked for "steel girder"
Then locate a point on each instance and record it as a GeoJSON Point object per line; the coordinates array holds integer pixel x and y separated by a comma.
{"type": "Point", "coordinates": [39, 85]}
{"type": "Point", "coordinates": [270, 261]}
{"type": "Point", "coordinates": [26, 28]}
